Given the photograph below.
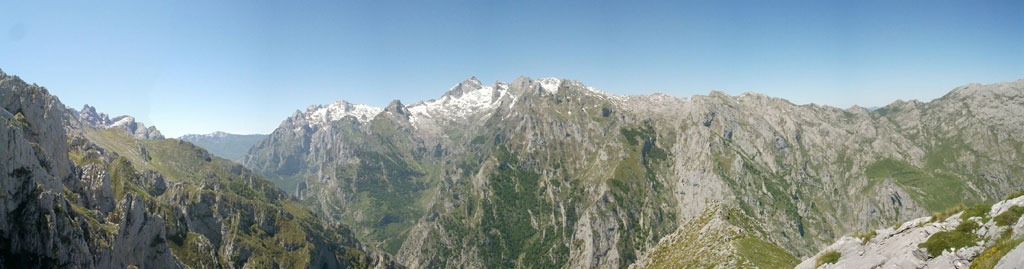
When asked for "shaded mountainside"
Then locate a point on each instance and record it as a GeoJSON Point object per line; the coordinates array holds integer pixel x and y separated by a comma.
{"type": "Point", "coordinates": [77, 194]}
{"type": "Point", "coordinates": [224, 145]}
{"type": "Point", "coordinates": [551, 173]}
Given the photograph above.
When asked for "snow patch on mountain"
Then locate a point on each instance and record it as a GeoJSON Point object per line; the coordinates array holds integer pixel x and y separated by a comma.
{"type": "Point", "coordinates": [322, 115]}
{"type": "Point", "coordinates": [549, 85]}
{"type": "Point", "coordinates": [122, 121]}
{"type": "Point", "coordinates": [461, 101]}
{"type": "Point", "coordinates": [90, 117]}
{"type": "Point", "coordinates": [213, 135]}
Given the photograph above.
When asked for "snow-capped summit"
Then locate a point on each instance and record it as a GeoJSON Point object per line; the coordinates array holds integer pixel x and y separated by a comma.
{"type": "Point", "coordinates": [462, 100]}
{"type": "Point", "coordinates": [320, 114]}
{"type": "Point", "coordinates": [213, 135]}
{"type": "Point", "coordinates": [122, 121]}
{"type": "Point", "coordinates": [468, 85]}
{"type": "Point", "coordinates": [219, 134]}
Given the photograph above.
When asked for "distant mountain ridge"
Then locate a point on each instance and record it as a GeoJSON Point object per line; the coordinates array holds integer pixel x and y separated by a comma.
{"type": "Point", "coordinates": [553, 173]}
{"type": "Point", "coordinates": [224, 145]}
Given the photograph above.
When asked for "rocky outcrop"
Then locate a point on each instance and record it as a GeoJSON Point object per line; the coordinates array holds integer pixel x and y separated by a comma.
{"type": "Point", "coordinates": [960, 240]}
{"type": "Point", "coordinates": [96, 191]}
{"type": "Point", "coordinates": [88, 117]}
{"type": "Point", "coordinates": [1013, 259]}
{"type": "Point", "coordinates": [142, 238]}
{"type": "Point", "coordinates": [38, 227]}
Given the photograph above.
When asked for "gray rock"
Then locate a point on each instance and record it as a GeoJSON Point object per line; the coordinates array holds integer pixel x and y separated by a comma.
{"type": "Point", "coordinates": [1013, 259]}
{"type": "Point", "coordinates": [88, 117]}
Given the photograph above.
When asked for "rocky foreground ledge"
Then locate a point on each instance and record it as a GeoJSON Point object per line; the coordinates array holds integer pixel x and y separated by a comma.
{"type": "Point", "coordinates": [982, 236]}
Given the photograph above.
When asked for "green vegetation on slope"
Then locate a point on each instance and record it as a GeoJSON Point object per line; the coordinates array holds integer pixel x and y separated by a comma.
{"type": "Point", "coordinates": [960, 237]}
{"type": "Point", "coordinates": [979, 210]}
{"type": "Point", "coordinates": [720, 235]}
{"type": "Point", "coordinates": [991, 256]}
{"type": "Point", "coordinates": [935, 191]}
{"type": "Point", "coordinates": [764, 254]}
{"type": "Point", "coordinates": [866, 237]}
{"type": "Point", "coordinates": [636, 189]}
{"type": "Point", "coordinates": [507, 219]}
{"type": "Point", "coordinates": [1010, 216]}
{"type": "Point", "coordinates": [387, 186]}
{"type": "Point", "coordinates": [830, 256]}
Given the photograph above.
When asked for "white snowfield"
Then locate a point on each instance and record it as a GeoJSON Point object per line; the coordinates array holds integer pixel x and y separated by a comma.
{"type": "Point", "coordinates": [321, 115]}
{"type": "Point", "coordinates": [462, 101]}
{"type": "Point", "coordinates": [549, 85]}
{"type": "Point", "coordinates": [122, 121]}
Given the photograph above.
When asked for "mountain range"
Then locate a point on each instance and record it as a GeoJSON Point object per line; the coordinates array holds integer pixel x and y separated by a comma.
{"type": "Point", "coordinates": [224, 145]}
{"type": "Point", "coordinates": [553, 173]}
{"type": "Point", "coordinates": [533, 173]}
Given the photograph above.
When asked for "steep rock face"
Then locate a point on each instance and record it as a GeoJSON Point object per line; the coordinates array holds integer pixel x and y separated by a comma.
{"type": "Point", "coordinates": [74, 195]}
{"type": "Point", "coordinates": [39, 222]}
{"type": "Point", "coordinates": [551, 172]}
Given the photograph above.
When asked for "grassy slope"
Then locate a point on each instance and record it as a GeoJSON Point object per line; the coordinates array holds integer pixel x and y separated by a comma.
{"type": "Point", "coordinates": [719, 237]}
{"type": "Point", "coordinates": [292, 241]}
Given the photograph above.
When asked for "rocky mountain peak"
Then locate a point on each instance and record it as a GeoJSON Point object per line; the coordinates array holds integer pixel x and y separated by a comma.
{"type": "Point", "coordinates": [719, 94]}
{"type": "Point", "coordinates": [464, 100]}
{"type": "Point", "coordinates": [979, 91]}
{"type": "Point", "coordinates": [396, 107]}
{"type": "Point", "coordinates": [901, 105]}
{"type": "Point", "coordinates": [90, 117]}
{"type": "Point", "coordinates": [468, 85]}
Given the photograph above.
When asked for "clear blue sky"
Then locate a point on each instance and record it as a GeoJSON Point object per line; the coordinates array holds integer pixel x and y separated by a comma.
{"type": "Point", "coordinates": [203, 66]}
